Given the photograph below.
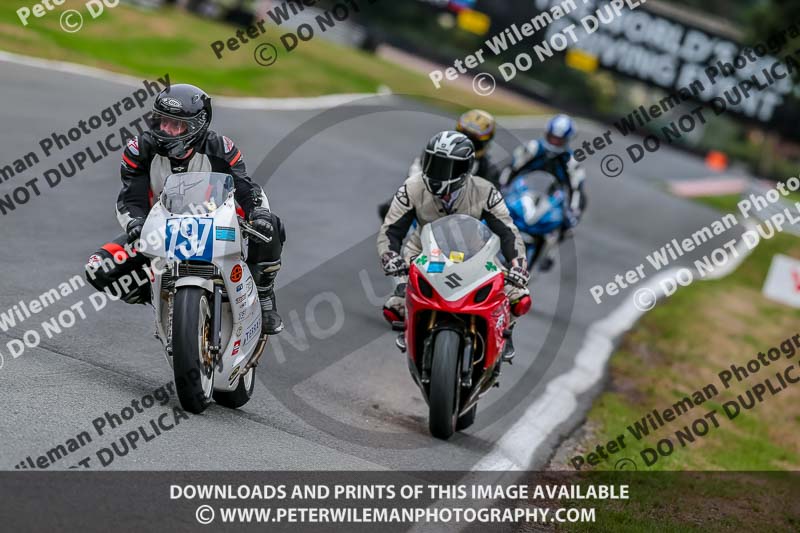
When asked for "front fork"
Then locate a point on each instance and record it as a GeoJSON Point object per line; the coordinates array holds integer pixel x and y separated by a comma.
{"type": "Point", "coordinates": [216, 322]}
{"type": "Point", "coordinates": [467, 355]}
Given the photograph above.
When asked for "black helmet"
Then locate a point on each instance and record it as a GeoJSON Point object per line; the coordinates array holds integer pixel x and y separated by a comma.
{"type": "Point", "coordinates": [479, 126]}
{"type": "Point", "coordinates": [447, 162]}
{"type": "Point", "coordinates": [181, 115]}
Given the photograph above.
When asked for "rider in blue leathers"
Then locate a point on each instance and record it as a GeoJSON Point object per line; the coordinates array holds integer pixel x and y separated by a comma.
{"type": "Point", "coordinates": [553, 155]}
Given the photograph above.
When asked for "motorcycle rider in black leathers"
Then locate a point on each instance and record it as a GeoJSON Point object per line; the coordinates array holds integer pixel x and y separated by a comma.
{"type": "Point", "coordinates": [179, 141]}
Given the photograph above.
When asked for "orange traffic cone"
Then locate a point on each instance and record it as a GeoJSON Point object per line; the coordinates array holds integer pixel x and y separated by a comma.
{"type": "Point", "coordinates": [717, 161]}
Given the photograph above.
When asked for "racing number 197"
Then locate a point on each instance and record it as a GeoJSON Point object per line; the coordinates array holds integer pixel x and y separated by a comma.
{"type": "Point", "coordinates": [188, 238]}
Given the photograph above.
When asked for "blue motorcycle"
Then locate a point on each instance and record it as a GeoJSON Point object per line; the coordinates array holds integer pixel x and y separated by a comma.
{"type": "Point", "coordinates": [538, 214]}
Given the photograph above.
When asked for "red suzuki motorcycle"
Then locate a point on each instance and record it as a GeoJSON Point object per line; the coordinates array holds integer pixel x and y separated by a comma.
{"type": "Point", "coordinates": [458, 320]}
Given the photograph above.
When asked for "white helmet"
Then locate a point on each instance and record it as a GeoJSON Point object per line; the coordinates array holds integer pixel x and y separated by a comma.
{"type": "Point", "coordinates": [560, 130]}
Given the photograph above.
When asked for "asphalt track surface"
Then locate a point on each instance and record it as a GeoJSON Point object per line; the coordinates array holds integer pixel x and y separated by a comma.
{"type": "Point", "coordinates": [333, 392]}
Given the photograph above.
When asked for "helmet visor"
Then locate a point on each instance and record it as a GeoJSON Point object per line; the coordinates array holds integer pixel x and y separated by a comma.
{"type": "Point", "coordinates": [556, 140]}
{"type": "Point", "coordinates": [166, 127]}
{"type": "Point", "coordinates": [439, 167]}
{"type": "Point", "coordinates": [443, 175]}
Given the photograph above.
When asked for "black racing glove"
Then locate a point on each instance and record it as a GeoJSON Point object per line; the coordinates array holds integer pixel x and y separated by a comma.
{"type": "Point", "coordinates": [261, 220]}
{"type": "Point", "coordinates": [134, 229]}
{"type": "Point", "coordinates": [393, 264]}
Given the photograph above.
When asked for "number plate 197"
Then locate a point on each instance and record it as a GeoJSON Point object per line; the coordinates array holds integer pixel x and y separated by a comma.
{"type": "Point", "coordinates": [190, 238]}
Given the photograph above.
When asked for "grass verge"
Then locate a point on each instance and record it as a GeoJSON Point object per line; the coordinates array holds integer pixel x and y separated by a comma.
{"type": "Point", "coordinates": [678, 348]}
{"type": "Point", "coordinates": [149, 43]}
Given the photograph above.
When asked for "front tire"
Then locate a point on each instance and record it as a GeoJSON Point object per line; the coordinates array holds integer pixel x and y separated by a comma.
{"type": "Point", "coordinates": [192, 364]}
{"type": "Point", "coordinates": [240, 395]}
{"type": "Point", "coordinates": [444, 385]}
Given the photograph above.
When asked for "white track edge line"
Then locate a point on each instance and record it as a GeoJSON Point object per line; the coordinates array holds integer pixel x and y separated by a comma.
{"type": "Point", "coordinates": [516, 449]}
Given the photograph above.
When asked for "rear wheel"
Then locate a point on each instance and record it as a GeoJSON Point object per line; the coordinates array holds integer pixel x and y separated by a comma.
{"type": "Point", "coordinates": [240, 395]}
{"type": "Point", "coordinates": [191, 357]}
{"type": "Point", "coordinates": [444, 385]}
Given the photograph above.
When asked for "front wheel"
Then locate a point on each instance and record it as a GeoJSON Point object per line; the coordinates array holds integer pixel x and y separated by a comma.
{"type": "Point", "coordinates": [444, 384]}
{"type": "Point", "coordinates": [191, 357]}
{"type": "Point", "coordinates": [240, 395]}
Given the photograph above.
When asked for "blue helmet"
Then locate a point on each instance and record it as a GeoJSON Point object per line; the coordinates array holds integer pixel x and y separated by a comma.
{"type": "Point", "coordinates": [560, 130]}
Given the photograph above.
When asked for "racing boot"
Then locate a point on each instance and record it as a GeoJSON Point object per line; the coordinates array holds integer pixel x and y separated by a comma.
{"type": "Point", "coordinates": [546, 264]}
{"type": "Point", "coordinates": [508, 349]}
{"type": "Point", "coordinates": [264, 276]}
{"type": "Point", "coordinates": [394, 310]}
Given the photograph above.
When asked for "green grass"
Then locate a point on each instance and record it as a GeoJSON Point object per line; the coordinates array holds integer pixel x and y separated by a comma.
{"type": "Point", "coordinates": [725, 203]}
{"type": "Point", "coordinates": [148, 44]}
{"type": "Point", "coordinates": [679, 347]}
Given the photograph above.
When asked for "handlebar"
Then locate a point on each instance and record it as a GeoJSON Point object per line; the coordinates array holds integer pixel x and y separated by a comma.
{"type": "Point", "coordinates": [248, 229]}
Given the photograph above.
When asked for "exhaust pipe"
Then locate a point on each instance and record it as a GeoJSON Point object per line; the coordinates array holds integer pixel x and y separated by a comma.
{"type": "Point", "coordinates": [253, 362]}
{"type": "Point", "coordinates": [483, 386]}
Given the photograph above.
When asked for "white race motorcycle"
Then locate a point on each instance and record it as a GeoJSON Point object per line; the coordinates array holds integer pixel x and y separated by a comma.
{"type": "Point", "coordinates": [207, 311]}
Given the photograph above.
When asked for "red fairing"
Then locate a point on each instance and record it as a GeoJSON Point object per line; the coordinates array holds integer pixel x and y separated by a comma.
{"type": "Point", "coordinates": [494, 310]}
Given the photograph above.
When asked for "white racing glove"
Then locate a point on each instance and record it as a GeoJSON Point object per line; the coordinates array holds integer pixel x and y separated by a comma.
{"type": "Point", "coordinates": [517, 275]}
{"type": "Point", "coordinates": [393, 264]}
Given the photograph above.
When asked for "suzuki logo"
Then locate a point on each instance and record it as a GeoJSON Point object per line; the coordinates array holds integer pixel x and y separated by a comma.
{"type": "Point", "coordinates": [453, 281]}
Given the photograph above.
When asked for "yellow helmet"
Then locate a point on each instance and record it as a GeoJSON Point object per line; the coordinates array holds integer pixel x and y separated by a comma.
{"type": "Point", "coordinates": [479, 126]}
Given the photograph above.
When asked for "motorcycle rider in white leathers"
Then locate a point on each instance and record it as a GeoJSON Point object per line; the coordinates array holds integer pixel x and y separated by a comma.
{"type": "Point", "coordinates": [446, 186]}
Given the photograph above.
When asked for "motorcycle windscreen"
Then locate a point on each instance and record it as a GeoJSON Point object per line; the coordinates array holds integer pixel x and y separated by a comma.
{"type": "Point", "coordinates": [539, 182]}
{"type": "Point", "coordinates": [460, 237]}
{"type": "Point", "coordinates": [196, 193]}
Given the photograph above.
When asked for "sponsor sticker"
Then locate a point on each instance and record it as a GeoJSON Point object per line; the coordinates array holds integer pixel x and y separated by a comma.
{"type": "Point", "coordinates": [239, 287]}
{"type": "Point", "coordinates": [421, 260]}
{"type": "Point", "coordinates": [436, 267]}
{"type": "Point", "coordinates": [171, 102]}
{"type": "Point", "coordinates": [236, 347]}
{"type": "Point", "coordinates": [224, 233]}
{"type": "Point", "coordinates": [500, 325]}
{"type": "Point", "coordinates": [249, 286]}
{"type": "Point", "coordinates": [241, 298]}
{"type": "Point", "coordinates": [253, 330]}
{"type": "Point", "coordinates": [233, 375]}
{"type": "Point", "coordinates": [491, 267]}
{"type": "Point", "coordinates": [457, 257]}
{"type": "Point", "coordinates": [94, 260]}
{"type": "Point", "coordinates": [236, 275]}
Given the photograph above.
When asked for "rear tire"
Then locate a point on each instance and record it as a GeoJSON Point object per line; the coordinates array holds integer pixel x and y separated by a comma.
{"type": "Point", "coordinates": [444, 386]}
{"type": "Point", "coordinates": [240, 395]}
{"type": "Point", "coordinates": [191, 323]}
